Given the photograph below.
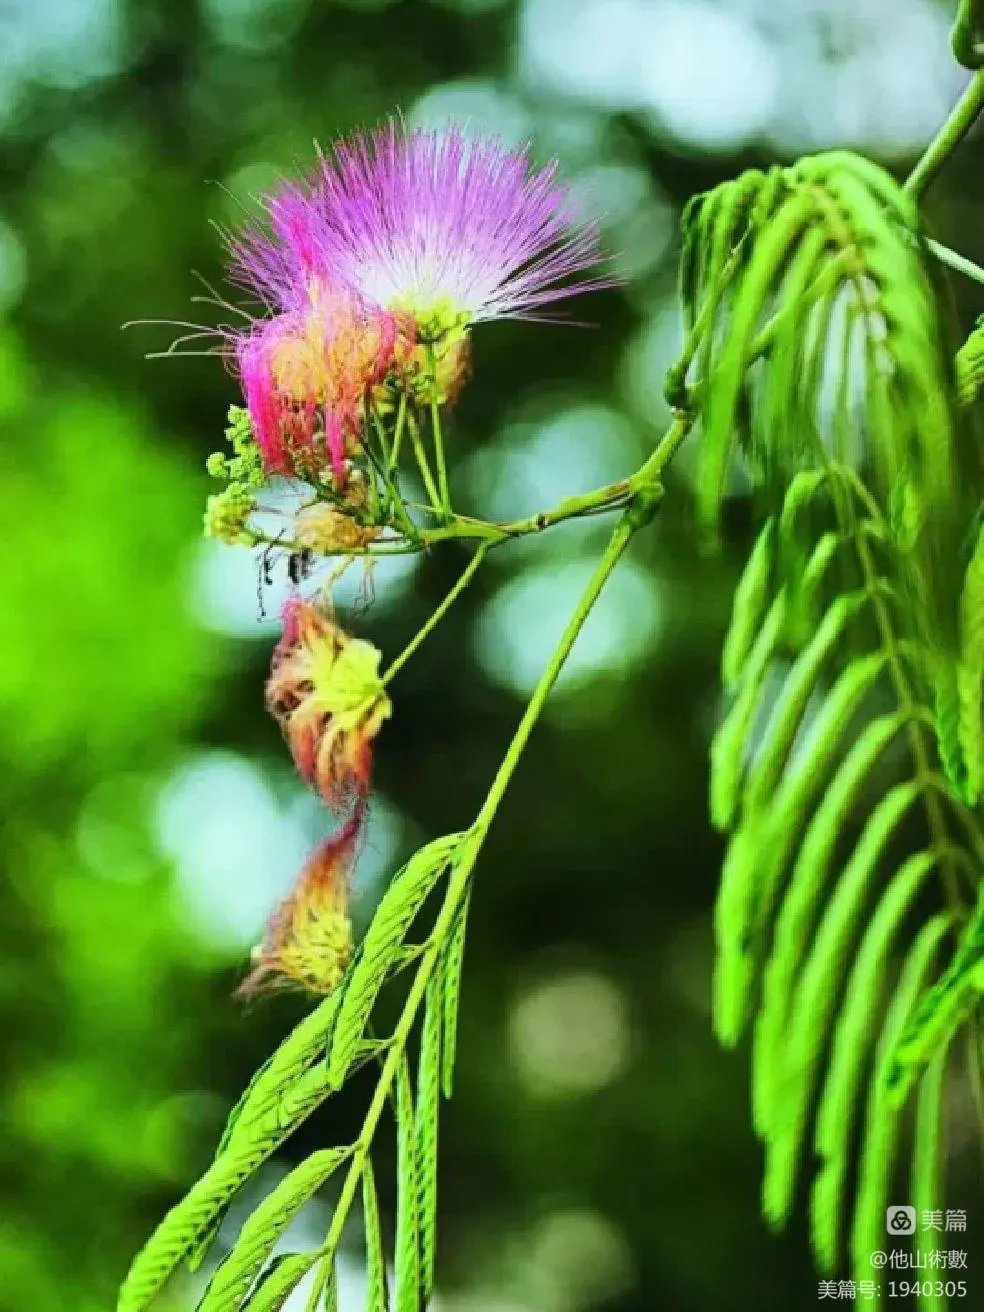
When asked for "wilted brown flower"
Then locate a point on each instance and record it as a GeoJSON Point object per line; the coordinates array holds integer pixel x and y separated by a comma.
{"type": "Point", "coordinates": [308, 942]}
{"type": "Point", "coordinates": [325, 692]}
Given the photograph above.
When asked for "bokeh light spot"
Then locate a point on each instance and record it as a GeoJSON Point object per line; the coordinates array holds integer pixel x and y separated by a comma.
{"type": "Point", "coordinates": [519, 627]}
{"type": "Point", "coordinates": [569, 1035]}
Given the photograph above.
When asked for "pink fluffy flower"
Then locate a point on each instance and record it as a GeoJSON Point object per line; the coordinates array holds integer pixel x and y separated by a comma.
{"type": "Point", "coordinates": [442, 225]}
{"type": "Point", "coordinates": [398, 237]}
{"type": "Point", "coordinates": [306, 372]}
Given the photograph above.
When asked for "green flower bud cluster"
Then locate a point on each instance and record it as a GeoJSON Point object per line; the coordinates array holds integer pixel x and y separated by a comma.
{"type": "Point", "coordinates": [244, 465]}
{"type": "Point", "coordinates": [226, 515]}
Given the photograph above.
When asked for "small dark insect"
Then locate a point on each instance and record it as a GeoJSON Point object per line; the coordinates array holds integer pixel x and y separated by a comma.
{"type": "Point", "coordinates": [299, 565]}
{"type": "Point", "coordinates": [264, 575]}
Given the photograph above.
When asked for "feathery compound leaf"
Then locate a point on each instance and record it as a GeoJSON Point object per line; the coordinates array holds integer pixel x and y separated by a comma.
{"type": "Point", "coordinates": [835, 297]}
{"type": "Point", "coordinates": [189, 1221]}
{"type": "Point", "coordinates": [752, 597]}
{"type": "Point", "coordinates": [883, 1122]}
{"type": "Point", "coordinates": [408, 1286]}
{"type": "Point", "coordinates": [377, 1295]}
{"type": "Point", "coordinates": [855, 1025]}
{"type": "Point", "coordinates": [728, 747]}
{"type": "Point", "coordinates": [941, 1011]}
{"type": "Point", "coordinates": [449, 975]}
{"type": "Point", "coordinates": [826, 361]}
{"type": "Point", "coordinates": [381, 946]}
{"type": "Point", "coordinates": [425, 1130]}
{"type": "Point", "coordinates": [279, 1281]}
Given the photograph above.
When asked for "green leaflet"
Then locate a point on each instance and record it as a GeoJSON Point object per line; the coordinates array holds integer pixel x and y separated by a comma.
{"type": "Point", "coordinates": [943, 1008]}
{"type": "Point", "coordinates": [750, 298]}
{"type": "Point", "coordinates": [795, 545]}
{"type": "Point", "coordinates": [948, 728]}
{"type": "Point", "coordinates": [425, 1131]}
{"type": "Point", "coordinates": [741, 877]}
{"type": "Point", "coordinates": [807, 774]}
{"type": "Point", "coordinates": [749, 607]}
{"type": "Point", "coordinates": [196, 1256]}
{"type": "Point", "coordinates": [305, 1044]}
{"type": "Point", "coordinates": [187, 1223]}
{"type": "Point", "coordinates": [970, 367]}
{"type": "Point", "coordinates": [835, 1117]}
{"type": "Point", "coordinates": [449, 974]}
{"type": "Point", "coordinates": [260, 1232]}
{"type": "Point", "coordinates": [927, 1158]}
{"type": "Point", "coordinates": [815, 996]}
{"type": "Point", "coordinates": [970, 674]}
{"type": "Point", "coordinates": [806, 887]}
{"type": "Point", "coordinates": [785, 340]}
{"type": "Point", "coordinates": [883, 1122]}
{"type": "Point", "coordinates": [787, 714]}
{"type": "Point", "coordinates": [279, 1281]}
{"type": "Point", "coordinates": [380, 949]}
{"type": "Point", "coordinates": [329, 1299]}
{"type": "Point", "coordinates": [408, 1269]}
{"type": "Point", "coordinates": [728, 747]}
{"type": "Point", "coordinates": [377, 1296]}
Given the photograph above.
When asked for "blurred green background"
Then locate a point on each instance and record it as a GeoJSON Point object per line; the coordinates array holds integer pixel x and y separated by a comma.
{"type": "Point", "coordinates": [598, 1154]}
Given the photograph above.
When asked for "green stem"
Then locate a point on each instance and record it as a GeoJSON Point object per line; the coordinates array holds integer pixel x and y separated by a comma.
{"type": "Point", "coordinates": [954, 260]}
{"type": "Point", "coordinates": [437, 433]}
{"type": "Point", "coordinates": [465, 578]}
{"type": "Point", "coordinates": [950, 135]}
{"type": "Point", "coordinates": [386, 473]}
{"type": "Point", "coordinates": [442, 468]}
{"type": "Point", "coordinates": [424, 466]}
{"type": "Point", "coordinates": [462, 528]}
{"type": "Point", "coordinates": [675, 382]}
{"type": "Point", "coordinates": [401, 423]}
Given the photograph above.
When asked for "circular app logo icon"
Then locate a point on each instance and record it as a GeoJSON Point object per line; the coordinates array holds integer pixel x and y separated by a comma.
{"type": "Point", "coordinates": [900, 1220]}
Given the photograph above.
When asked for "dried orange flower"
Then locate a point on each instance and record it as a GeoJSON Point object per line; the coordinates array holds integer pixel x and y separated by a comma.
{"type": "Point", "coordinates": [326, 693]}
{"type": "Point", "coordinates": [308, 942]}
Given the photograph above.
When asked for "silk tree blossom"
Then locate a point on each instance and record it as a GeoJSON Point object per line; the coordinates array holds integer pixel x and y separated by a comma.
{"type": "Point", "coordinates": [451, 229]}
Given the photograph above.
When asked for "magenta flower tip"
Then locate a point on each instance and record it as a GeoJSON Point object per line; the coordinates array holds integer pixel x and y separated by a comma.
{"type": "Point", "coordinates": [429, 223]}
